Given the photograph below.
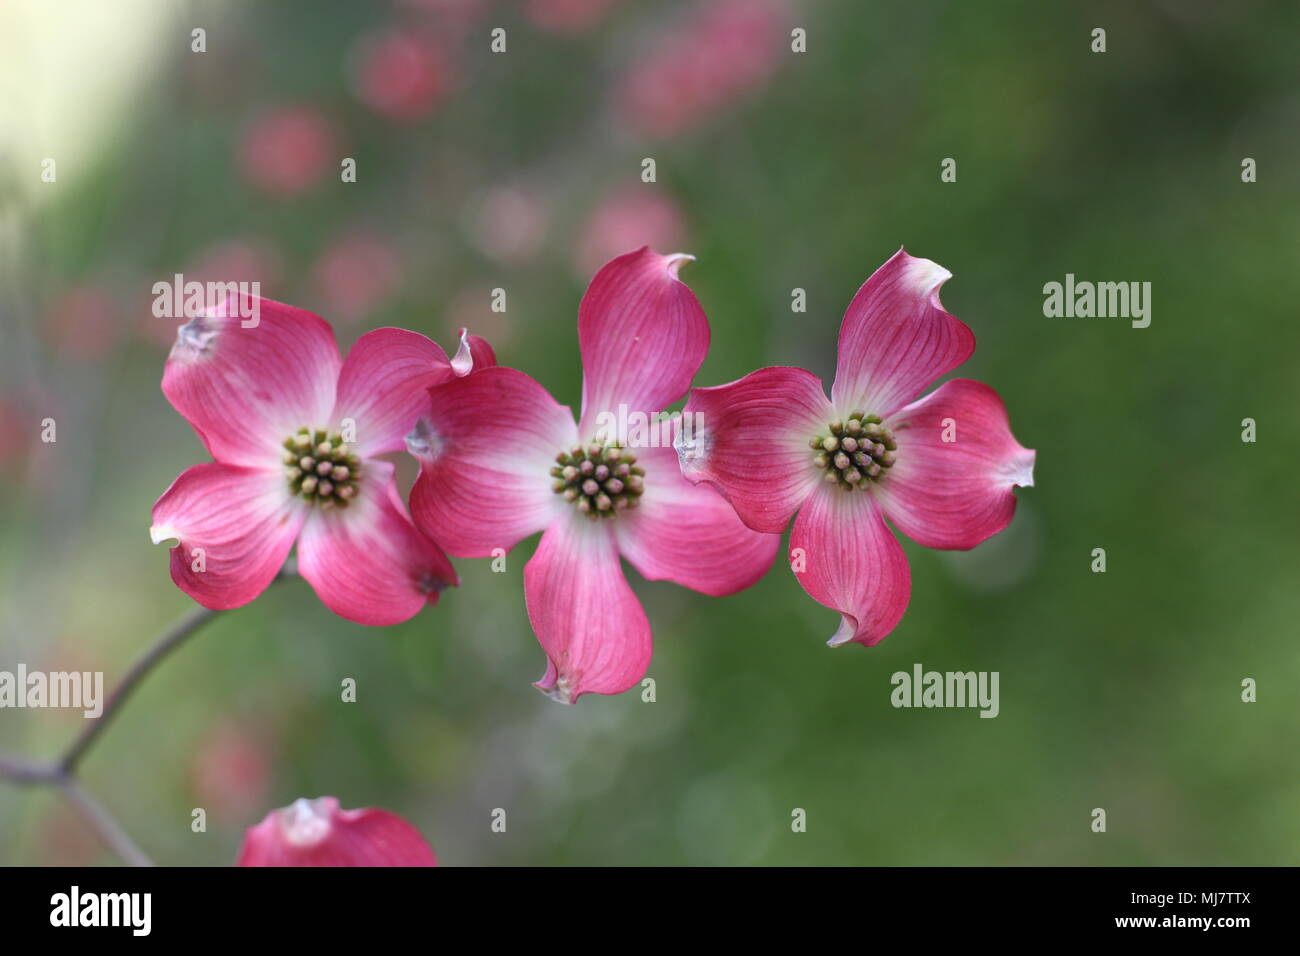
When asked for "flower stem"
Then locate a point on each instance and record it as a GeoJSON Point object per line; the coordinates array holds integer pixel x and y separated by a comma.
{"type": "Point", "coordinates": [105, 824]}
{"type": "Point", "coordinates": [171, 639]}
{"type": "Point", "coordinates": [61, 772]}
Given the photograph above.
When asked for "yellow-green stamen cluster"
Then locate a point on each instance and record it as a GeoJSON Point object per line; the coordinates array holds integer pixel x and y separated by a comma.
{"type": "Point", "coordinates": [601, 480]}
{"type": "Point", "coordinates": [321, 468]}
{"type": "Point", "coordinates": [856, 452]}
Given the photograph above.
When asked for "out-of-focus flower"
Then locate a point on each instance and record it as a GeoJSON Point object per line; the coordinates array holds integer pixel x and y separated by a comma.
{"type": "Point", "coordinates": [726, 49]}
{"type": "Point", "coordinates": [81, 322]}
{"type": "Point", "coordinates": [566, 16]}
{"type": "Point", "coordinates": [357, 273]}
{"type": "Point", "coordinates": [294, 432]}
{"type": "Point", "coordinates": [287, 151]}
{"type": "Point", "coordinates": [501, 460]}
{"type": "Point", "coordinates": [509, 224]}
{"type": "Point", "coordinates": [317, 833]}
{"type": "Point", "coordinates": [631, 217]}
{"type": "Point", "coordinates": [941, 468]}
{"type": "Point", "coordinates": [15, 434]}
{"type": "Point", "coordinates": [402, 76]}
{"type": "Point", "coordinates": [232, 770]}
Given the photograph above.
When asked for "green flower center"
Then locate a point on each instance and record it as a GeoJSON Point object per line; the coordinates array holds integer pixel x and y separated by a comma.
{"type": "Point", "coordinates": [321, 468]}
{"type": "Point", "coordinates": [601, 480]}
{"type": "Point", "coordinates": [855, 453]}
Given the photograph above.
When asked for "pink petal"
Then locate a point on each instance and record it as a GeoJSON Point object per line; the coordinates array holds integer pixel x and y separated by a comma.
{"type": "Point", "coordinates": [751, 440]}
{"type": "Point", "coordinates": [592, 627]}
{"type": "Point", "coordinates": [384, 386]}
{"type": "Point", "coordinates": [318, 833]}
{"type": "Point", "coordinates": [369, 563]}
{"type": "Point", "coordinates": [643, 336]}
{"type": "Point", "coordinates": [245, 390]}
{"type": "Point", "coordinates": [689, 533]}
{"type": "Point", "coordinates": [852, 563]}
{"type": "Point", "coordinates": [234, 528]}
{"type": "Point", "coordinates": [486, 444]}
{"type": "Point", "coordinates": [954, 494]}
{"type": "Point", "coordinates": [896, 338]}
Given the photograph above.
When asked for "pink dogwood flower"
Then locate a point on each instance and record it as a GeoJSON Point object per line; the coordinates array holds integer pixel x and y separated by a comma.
{"type": "Point", "coordinates": [500, 460]}
{"type": "Point", "coordinates": [940, 468]}
{"type": "Point", "coordinates": [294, 433]}
{"type": "Point", "coordinates": [318, 833]}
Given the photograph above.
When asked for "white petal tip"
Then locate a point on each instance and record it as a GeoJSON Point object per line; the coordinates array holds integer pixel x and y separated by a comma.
{"type": "Point", "coordinates": [160, 533]}
{"type": "Point", "coordinates": [559, 693]}
{"type": "Point", "coordinates": [1022, 472]}
{"type": "Point", "coordinates": [462, 363]}
{"type": "Point", "coordinates": [676, 260]}
{"type": "Point", "coordinates": [848, 630]}
{"type": "Point", "coordinates": [924, 276]}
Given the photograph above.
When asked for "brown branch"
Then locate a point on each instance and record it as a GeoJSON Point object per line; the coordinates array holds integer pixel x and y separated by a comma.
{"type": "Point", "coordinates": [61, 773]}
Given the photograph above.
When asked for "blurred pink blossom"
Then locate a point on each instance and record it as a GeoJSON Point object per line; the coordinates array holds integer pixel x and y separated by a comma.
{"type": "Point", "coordinates": [231, 773]}
{"type": "Point", "coordinates": [566, 16]}
{"type": "Point", "coordinates": [401, 75]}
{"type": "Point", "coordinates": [628, 219]}
{"type": "Point", "coordinates": [509, 224]}
{"type": "Point", "coordinates": [356, 274]}
{"type": "Point", "coordinates": [81, 322]}
{"type": "Point", "coordinates": [288, 150]}
{"type": "Point", "coordinates": [727, 49]}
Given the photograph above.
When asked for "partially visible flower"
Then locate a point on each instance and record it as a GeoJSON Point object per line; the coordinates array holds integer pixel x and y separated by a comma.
{"type": "Point", "coordinates": [357, 273]}
{"type": "Point", "coordinates": [566, 16]}
{"type": "Point", "coordinates": [294, 433]}
{"type": "Point", "coordinates": [500, 460]}
{"type": "Point", "coordinates": [627, 219]}
{"type": "Point", "coordinates": [508, 224]}
{"type": "Point", "coordinates": [81, 321]}
{"type": "Point", "coordinates": [727, 49]}
{"type": "Point", "coordinates": [287, 151]}
{"type": "Point", "coordinates": [317, 833]}
{"type": "Point", "coordinates": [400, 75]}
{"type": "Point", "coordinates": [941, 468]}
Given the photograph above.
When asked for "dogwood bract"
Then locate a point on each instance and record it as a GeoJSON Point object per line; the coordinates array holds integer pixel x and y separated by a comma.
{"type": "Point", "coordinates": [294, 432]}
{"type": "Point", "coordinates": [940, 468]}
{"type": "Point", "coordinates": [500, 460]}
{"type": "Point", "coordinates": [317, 833]}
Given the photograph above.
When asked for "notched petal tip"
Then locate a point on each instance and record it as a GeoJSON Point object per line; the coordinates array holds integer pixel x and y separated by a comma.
{"type": "Point", "coordinates": [195, 339]}
{"type": "Point", "coordinates": [674, 262]}
{"type": "Point", "coordinates": [1022, 470]}
{"type": "Point", "coordinates": [848, 629]}
{"type": "Point", "coordinates": [692, 447]}
{"type": "Point", "coordinates": [462, 363]}
{"type": "Point", "coordinates": [924, 276]}
{"type": "Point", "coordinates": [423, 442]}
{"type": "Point", "coordinates": [556, 688]}
{"type": "Point", "coordinates": [159, 534]}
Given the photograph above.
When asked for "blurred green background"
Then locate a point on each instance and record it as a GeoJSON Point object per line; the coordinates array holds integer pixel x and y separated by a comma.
{"type": "Point", "coordinates": [777, 170]}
